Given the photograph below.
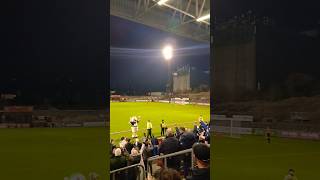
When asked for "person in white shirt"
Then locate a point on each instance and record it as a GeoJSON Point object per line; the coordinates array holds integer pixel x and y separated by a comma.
{"type": "Point", "coordinates": [134, 126]}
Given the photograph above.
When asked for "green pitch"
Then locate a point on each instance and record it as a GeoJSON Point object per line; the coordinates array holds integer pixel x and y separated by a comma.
{"type": "Point", "coordinates": [49, 153]}
{"type": "Point", "coordinates": [251, 158]}
{"type": "Point", "coordinates": [171, 113]}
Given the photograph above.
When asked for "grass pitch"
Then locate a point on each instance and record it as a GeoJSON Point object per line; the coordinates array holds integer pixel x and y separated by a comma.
{"type": "Point", "coordinates": [120, 112]}
{"type": "Point", "coordinates": [52, 153]}
{"type": "Point", "coordinates": [251, 158]}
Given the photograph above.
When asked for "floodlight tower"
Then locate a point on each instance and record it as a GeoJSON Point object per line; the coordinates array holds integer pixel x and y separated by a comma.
{"type": "Point", "coordinates": [167, 53]}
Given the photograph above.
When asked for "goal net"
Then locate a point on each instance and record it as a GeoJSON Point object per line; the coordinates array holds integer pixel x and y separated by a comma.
{"type": "Point", "coordinates": [234, 126]}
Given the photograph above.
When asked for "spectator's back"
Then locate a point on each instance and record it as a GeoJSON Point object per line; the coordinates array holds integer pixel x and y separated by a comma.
{"type": "Point", "coordinates": [170, 145]}
{"type": "Point", "coordinates": [117, 162]}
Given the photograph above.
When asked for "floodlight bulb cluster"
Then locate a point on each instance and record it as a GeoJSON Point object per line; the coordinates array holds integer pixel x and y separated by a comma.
{"type": "Point", "coordinates": [167, 52]}
{"type": "Point", "coordinates": [161, 2]}
{"type": "Point", "coordinates": [202, 18]}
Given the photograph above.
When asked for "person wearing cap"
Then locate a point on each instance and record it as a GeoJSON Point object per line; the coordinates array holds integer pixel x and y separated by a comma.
{"type": "Point", "coordinates": [291, 175]}
{"type": "Point", "coordinates": [201, 154]}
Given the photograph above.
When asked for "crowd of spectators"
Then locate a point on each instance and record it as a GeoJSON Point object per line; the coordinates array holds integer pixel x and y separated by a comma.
{"type": "Point", "coordinates": [135, 151]}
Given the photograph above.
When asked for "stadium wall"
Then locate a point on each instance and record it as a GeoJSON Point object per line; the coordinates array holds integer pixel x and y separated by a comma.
{"type": "Point", "coordinates": [74, 118]}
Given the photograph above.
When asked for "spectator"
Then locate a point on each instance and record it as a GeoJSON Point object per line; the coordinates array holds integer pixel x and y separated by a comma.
{"type": "Point", "coordinates": [134, 158]}
{"type": "Point", "coordinates": [113, 146]}
{"type": "Point", "coordinates": [93, 176]}
{"type": "Point", "coordinates": [170, 145]}
{"type": "Point", "coordinates": [169, 174]}
{"type": "Point", "coordinates": [155, 144]}
{"type": "Point", "coordinates": [147, 153]}
{"type": "Point", "coordinates": [77, 176]}
{"type": "Point", "coordinates": [117, 162]}
{"type": "Point", "coordinates": [202, 138]}
{"type": "Point", "coordinates": [195, 128]}
{"type": "Point", "coordinates": [123, 142]}
{"type": "Point", "coordinates": [137, 144]}
{"type": "Point", "coordinates": [129, 146]}
{"type": "Point", "coordinates": [291, 175]}
{"type": "Point", "coordinates": [202, 158]}
{"type": "Point", "coordinates": [187, 139]}
{"type": "Point", "coordinates": [178, 132]}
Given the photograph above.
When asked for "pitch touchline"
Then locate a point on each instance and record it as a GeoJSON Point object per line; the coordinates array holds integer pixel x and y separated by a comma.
{"type": "Point", "coordinates": [119, 132]}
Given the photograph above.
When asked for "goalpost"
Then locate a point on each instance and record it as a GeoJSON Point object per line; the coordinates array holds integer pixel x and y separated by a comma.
{"type": "Point", "coordinates": [233, 126]}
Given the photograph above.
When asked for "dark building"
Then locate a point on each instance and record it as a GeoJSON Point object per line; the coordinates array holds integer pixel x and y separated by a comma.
{"type": "Point", "coordinates": [234, 60]}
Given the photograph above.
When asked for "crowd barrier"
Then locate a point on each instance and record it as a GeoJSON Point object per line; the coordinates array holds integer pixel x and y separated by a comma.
{"type": "Point", "coordinates": [164, 157]}
{"type": "Point", "coordinates": [141, 175]}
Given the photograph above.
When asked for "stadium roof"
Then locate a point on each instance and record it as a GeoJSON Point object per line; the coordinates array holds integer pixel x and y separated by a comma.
{"type": "Point", "coordinates": [187, 18]}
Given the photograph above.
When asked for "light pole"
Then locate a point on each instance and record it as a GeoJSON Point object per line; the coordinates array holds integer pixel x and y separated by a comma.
{"type": "Point", "coordinates": [167, 53]}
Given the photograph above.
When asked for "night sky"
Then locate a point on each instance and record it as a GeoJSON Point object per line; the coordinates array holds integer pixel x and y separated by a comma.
{"type": "Point", "coordinates": [141, 72]}
{"type": "Point", "coordinates": [56, 51]}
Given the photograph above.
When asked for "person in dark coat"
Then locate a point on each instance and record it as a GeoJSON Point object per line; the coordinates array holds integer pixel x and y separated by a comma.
{"type": "Point", "coordinates": [137, 144]}
{"type": "Point", "coordinates": [129, 146]}
{"type": "Point", "coordinates": [202, 158]}
{"type": "Point", "coordinates": [170, 145]}
{"type": "Point", "coordinates": [187, 139]}
{"type": "Point", "coordinates": [147, 153]}
{"type": "Point", "coordinates": [178, 132]}
{"type": "Point", "coordinates": [116, 162]}
{"type": "Point", "coordinates": [134, 158]}
{"type": "Point", "coordinates": [155, 144]}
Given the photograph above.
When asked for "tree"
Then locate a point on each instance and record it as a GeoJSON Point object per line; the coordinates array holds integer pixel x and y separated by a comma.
{"type": "Point", "coordinates": [299, 84]}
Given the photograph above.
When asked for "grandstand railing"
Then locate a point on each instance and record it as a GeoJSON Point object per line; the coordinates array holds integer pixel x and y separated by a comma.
{"type": "Point", "coordinates": [170, 155]}
{"type": "Point", "coordinates": [167, 156]}
{"type": "Point", "coordinates": [141, 174]}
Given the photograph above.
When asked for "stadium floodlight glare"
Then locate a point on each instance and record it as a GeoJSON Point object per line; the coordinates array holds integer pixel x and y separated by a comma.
{"type": "Point", "coordinates": [167, 52]}
{"type": "Point", "coordinates": [205, 17]}
{"type": "Point", "coordinates": [162, 2]}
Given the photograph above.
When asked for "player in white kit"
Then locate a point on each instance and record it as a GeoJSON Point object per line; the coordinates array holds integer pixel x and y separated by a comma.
{"type": "Point", "coordinates": [134, 126]}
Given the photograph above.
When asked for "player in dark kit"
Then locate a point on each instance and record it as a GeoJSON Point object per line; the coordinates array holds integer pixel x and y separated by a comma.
{"type": "Point", "coordinates": [268, 134]}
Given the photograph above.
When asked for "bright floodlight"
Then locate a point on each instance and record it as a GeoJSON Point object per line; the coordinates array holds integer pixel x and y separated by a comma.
{"type": "Point", "coordinates": [205, 17]}
{"type": "Point", "coordinates": [162, 2]}
{"type": "Point", "coordinates": [167, 52]}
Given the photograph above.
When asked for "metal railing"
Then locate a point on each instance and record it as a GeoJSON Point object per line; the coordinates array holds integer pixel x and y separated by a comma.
{"type": "Point", "coordinates": [113, 173]}
{"type": "Point", "coordinates": [167, 156]}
